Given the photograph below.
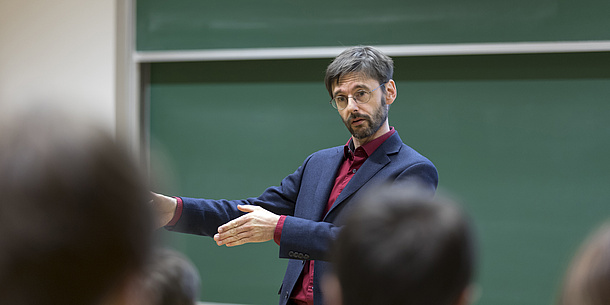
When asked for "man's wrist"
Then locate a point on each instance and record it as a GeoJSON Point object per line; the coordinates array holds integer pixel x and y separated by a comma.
{"type": "Point", "coordinates": [277, 235]}
{"type": "Point", "coordinates": [177, 211]}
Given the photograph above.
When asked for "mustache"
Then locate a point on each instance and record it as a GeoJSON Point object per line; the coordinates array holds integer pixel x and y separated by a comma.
{"type": "Point", "coordinates": [353, 117]}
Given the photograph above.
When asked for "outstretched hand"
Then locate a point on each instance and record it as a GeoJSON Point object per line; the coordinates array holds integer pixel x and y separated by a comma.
{"type": "Point", "coordinates": [255, 227]}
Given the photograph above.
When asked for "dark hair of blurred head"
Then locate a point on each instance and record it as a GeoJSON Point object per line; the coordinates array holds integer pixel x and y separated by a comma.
{"type": "Point", "coordinates": [74, 220]}
{"type": "Point", "coordinates": [170, 278]}
{"type": "Point", "coordinates": [402, 246]}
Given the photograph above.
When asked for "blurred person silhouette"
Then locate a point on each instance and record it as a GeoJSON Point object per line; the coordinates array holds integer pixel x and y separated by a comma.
{"type": "Point", "coordinates": [402, 246]}
{"type": "Point", "coordinates": [169, 278]}
{"type": "Point", "coordinates": [75, 225]}
{"type": "Point", "coordinates": [587, 280]}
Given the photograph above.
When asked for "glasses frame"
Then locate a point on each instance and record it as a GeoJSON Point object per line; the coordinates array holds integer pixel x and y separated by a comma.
{"type": "Point", "coordinates": [336, 106]}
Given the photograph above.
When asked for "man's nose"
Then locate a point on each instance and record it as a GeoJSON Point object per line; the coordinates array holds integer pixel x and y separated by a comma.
{"type": "Point", "coordinates": [351, 103]}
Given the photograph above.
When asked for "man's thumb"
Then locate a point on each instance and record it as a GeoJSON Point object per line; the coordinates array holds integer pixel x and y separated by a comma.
{"type": "Point", "coordinates": [246, 208]}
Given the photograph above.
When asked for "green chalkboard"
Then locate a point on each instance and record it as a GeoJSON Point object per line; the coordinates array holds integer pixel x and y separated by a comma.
{"type": "Point", "coordinates": [205, 24]}
{"type": "Point", "coordinates": [522, 140]}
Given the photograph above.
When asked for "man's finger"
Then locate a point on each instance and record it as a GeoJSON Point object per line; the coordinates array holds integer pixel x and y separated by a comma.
{"type": "Point", "coordinates": [233, 224]}
{"type": "Point", "coordinates": [237, 243]}
{"type": "Point", "coordinates": [234, 240]}
{"type": "Point", "coordinates": [247, 208]}
{"type": "Point", "coordinates": [239, 232]}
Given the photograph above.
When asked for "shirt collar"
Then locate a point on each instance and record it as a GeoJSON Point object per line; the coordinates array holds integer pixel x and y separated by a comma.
{"type": "Point", "coordinates": [369, 148]}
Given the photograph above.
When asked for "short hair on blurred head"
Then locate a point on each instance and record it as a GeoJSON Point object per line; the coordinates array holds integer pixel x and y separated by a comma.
{"type": "Point", "coordinates": [74, 219]}
{"type": "Point", "coordinates": [170, 278]}
{"type": "Point", "coordinates": [402, 246]}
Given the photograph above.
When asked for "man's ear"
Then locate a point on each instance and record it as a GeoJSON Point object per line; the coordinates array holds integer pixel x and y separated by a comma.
{"type": "Point", "coordinates": [331, 288]}
{"type": "Point", "coordinates": [390, 92]}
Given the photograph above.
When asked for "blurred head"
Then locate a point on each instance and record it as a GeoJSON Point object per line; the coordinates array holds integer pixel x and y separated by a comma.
{"type": "Point", "coordinates": [361, 60]}
{"type": "Point", "coordinates": [170, 279]}
{"type": "Point", "coordinates": [74, 220]}
{"type": "Point", "coordinates": [400, 246]}
{"type": "Point", "coordinates": [587, 281]}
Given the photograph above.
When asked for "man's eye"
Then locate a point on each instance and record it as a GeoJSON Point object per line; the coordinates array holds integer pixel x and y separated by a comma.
{"type": "Point", "coordinates": [360, 93]}
{"type": "Point", "coordinates": [340, 98]}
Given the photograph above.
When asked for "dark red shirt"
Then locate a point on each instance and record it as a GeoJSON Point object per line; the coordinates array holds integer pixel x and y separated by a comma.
{"type": "Point", "coordinates": [352, 160]}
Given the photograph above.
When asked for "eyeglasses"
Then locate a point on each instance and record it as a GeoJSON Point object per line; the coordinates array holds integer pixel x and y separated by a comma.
{"type": "Point", "coordinates": [339, 102]}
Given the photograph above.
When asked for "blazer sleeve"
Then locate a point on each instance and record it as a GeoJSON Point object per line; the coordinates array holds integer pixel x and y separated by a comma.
{"type": "Point", "coordinates": [424, 174]}
{"type": "Point", "coordinates": [204, 216]}
{"type": "Point", "coordinates": [307, 239]}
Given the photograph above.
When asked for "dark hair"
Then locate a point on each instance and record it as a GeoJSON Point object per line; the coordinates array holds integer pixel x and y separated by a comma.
{"type": "Point", "coordinates": [361, 59]}
{"type": "Point", "coordinates": [74, 219]}
{"type": "Point", "coordinates": [588, 278]}
{"type": "Point", "coordinates": [403, 247]}
{"type": "Point", "coordinates": [170, 278]}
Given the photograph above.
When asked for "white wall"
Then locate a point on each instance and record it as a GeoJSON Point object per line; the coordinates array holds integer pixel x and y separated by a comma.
{"type": "Point", "coordinates": [61, 52]}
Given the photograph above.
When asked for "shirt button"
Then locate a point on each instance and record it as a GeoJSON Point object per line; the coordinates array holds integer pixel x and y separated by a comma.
{"type": "Point", "coordinates": [354, 170]}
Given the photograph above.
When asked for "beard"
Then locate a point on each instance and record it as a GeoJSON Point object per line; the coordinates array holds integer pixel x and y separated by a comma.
{"type": "Point", "coordinates": [373, 123]}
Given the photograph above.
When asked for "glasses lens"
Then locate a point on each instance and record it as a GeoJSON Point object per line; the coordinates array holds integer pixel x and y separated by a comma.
{"type": "Point", "coordinates": [340, 102]}
{"type": "Point", "coordinates": [362, 96]}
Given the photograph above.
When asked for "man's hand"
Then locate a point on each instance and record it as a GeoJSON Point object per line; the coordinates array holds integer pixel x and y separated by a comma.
{"type": "Point", "coordinates": [255, 227]}
{"type": "Point", "coordinates": [164, 207]}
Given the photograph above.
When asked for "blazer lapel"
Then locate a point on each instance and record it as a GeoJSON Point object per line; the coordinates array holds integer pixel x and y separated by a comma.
{"type": "Point", "coordinates": [326, 181]}
{"type": "Point", "coordinates": [378, 160]}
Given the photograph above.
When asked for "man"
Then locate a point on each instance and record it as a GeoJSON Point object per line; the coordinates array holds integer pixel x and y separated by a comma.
{"type": "Point", "coordinates": [75, 225]}
{"type": "Point", "coordinates": [302, 214]}
{"type": "Point", "coordinates": [400, 247]}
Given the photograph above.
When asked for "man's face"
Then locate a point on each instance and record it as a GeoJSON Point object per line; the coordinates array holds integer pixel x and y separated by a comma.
{"type": "Point", "coordinates": [362, 120]}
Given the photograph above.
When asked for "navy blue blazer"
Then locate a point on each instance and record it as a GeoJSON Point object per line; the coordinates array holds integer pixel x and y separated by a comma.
{"type": "Point", "coordinates": [303, 195]}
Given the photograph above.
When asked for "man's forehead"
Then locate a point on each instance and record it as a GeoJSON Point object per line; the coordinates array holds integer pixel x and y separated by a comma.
{"type": "Point", "coordinates": [357, 78]}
